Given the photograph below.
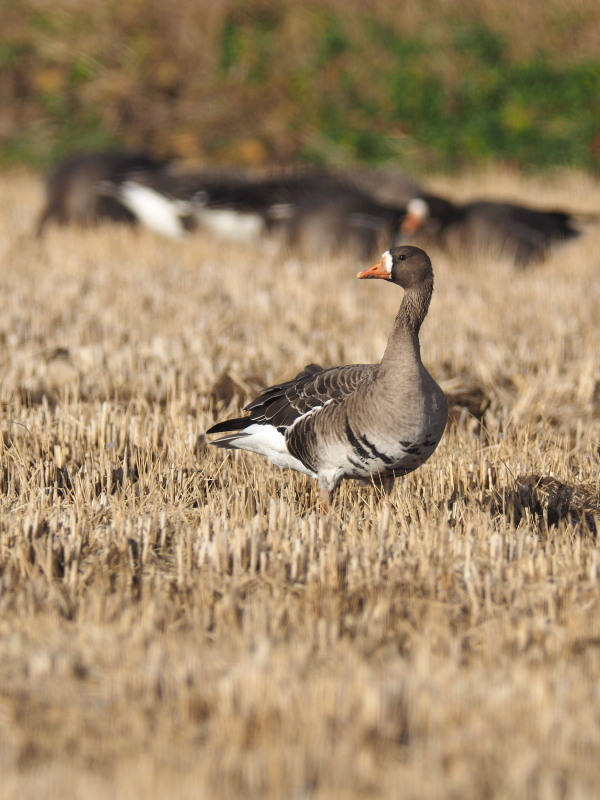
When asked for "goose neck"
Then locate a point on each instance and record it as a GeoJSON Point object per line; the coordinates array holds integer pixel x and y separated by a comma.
{"type": "Point", "coordinates": [405, 333]}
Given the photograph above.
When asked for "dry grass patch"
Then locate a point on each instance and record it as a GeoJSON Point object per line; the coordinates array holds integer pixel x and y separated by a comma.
{"type": "Point", "coordinates": [176, 621]}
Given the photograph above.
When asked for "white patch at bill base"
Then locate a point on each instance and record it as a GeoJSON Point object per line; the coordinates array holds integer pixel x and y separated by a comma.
{"type": "Point", "coordinates": [388, 261]}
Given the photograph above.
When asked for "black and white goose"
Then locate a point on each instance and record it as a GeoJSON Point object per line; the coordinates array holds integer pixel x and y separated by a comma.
{"type": "Point", "coordinates": [523, 234]}
{"type": "Point", "coordinates": [365, 421]}
{"type": "Point", "coordinates": [311, 212]}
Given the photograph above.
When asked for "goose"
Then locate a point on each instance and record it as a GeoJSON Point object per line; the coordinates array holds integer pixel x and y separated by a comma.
{"type": "Point", "coordinates": [75, 188]}
{"type": "Point", "coordinates": [311, 212]}
{"type": "Point", "coordinates": [338, 216]}
{"type": "Point", "coordinates": [524, 234]}
{"type": "Point", "coordinates": [366, 421]}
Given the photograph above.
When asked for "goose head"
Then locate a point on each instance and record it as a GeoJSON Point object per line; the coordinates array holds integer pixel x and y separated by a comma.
{"type": "Point", "coordinates": [407, 266]}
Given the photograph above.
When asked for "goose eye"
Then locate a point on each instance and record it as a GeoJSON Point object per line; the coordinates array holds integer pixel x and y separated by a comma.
{"type": "Point", "coordinates": [402, 257]}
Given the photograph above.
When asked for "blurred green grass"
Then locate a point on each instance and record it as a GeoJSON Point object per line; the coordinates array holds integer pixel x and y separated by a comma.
{"type": "Point", "coordinates": [430, 86]}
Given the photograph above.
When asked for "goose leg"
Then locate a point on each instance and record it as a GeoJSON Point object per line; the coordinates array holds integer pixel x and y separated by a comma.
{"type": "Point", "coordinates": [387, 485]}
{"type": "Point", "coordinates": [325, 500]}
{"type": "Point", "coordinates": [328, 481]}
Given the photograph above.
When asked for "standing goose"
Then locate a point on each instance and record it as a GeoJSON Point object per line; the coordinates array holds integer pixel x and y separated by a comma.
{"type": "Point", "coordinates": [366, 421]}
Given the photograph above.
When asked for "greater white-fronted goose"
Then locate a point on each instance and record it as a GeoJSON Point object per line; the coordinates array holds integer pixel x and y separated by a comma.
{"type": "Point", "coordinates": [75, 189]}
{"type": "Point", "coordinates": [365, 421]}
{"type": "Point", "coordinates": [312, 212]}
{"type": "Point", "coordinates": [338, 216]}
{"type": "Point", "coordinates": [518, 232]}
{"type": "Point", "coordinates": [173, 202]}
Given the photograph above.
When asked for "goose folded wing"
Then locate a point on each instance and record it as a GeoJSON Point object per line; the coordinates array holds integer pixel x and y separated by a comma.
{"type": "Point", "coordinates": [243, 198]}
{"type": "Point", "coordinates": [311, 389]}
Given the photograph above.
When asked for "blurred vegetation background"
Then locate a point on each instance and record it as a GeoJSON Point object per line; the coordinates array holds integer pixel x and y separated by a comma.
{"type": "Point", "coordinates": [429, 84]}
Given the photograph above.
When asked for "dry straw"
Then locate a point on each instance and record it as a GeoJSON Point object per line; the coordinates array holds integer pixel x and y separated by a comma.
{"type": "Point", "coordinates": [179, 622]}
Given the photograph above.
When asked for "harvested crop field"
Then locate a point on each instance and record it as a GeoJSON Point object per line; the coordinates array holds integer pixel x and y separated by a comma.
{"type": "Point", "coordinates": [179, 621]}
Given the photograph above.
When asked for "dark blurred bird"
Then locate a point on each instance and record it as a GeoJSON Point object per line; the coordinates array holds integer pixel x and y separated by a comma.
{"type": "Point", "coordinates": [311, 212]}
{"type": "Point", "coordinates": [308, 211]}
{"type": "Point", "coordinates": [76, 188]}
{"type": "Point", "coordinates": [525, 235]}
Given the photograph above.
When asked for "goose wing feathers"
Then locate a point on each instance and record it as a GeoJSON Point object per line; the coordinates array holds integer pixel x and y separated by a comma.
{"type": "Point", "coordinates": [312, 388]}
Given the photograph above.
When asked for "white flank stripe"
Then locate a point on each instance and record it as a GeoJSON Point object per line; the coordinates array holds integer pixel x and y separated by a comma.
{"type": "Point", "coordinates": [266, 440]}
{"type": "Point", "coordinates": [231, 224]}
{"type": "Point", "coordinates": [152, 208]}
{"type": "Point", "coordinates": [309, 412]}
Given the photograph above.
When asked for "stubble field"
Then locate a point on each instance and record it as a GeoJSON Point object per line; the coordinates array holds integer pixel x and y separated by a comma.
{"type": "Point", "coordinates": [178, 621]}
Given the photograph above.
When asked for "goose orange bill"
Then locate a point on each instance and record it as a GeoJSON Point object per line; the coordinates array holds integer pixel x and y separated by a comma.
{"type": "Point", "coordinates": [378, 270]}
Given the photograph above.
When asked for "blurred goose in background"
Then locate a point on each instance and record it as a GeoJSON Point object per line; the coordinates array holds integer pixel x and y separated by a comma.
{"type": "Point", "coordinates": [311, 212]}
{"type": "Point", "coordinates": [308, 211]}
{"type": "Point", "coordinates": [228, 203]}
{"type": "Point", "coordinates": [526, 235]}
{"type": "Point", "coordinates": [337, 216]}
{"type": "Point", "coordinates": [367, 421]}
{"type": "Point", "coordinates": [75, 189]}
